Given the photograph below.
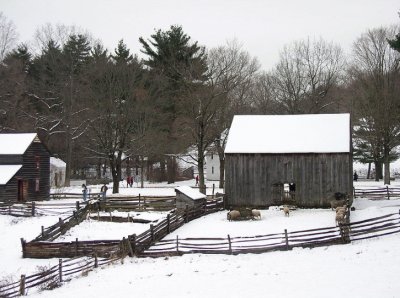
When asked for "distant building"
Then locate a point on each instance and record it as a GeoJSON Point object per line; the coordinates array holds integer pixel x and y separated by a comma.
{"type": "Point", "coordinates": [24, 168]}
{"type": "Point", "coordinates": [187, 196]}
{"type": "Point", "coordinates": [212, 165]}
{"type": "Point", "coordinates": [307, 155]}
{"type": "Point", "coordinates": [57, 172]}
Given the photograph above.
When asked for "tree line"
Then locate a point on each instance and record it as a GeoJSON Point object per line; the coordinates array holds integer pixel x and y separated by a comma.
{"type": "Point", "coordinates": [96, 107]}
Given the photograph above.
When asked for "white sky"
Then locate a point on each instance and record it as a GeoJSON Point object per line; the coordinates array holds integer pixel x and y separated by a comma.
{"type": "Point", "coordinates": [263, 27]}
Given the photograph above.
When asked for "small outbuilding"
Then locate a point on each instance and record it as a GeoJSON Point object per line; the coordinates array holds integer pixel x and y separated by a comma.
{"type": "Point", "coordinates": [24, 168]}
{"type": "Point", "coordinates": [57, 172]}
{"type": "Point", "coordinates": [304, 159]}
{"type": "Point", "coordinates": [187, 196]}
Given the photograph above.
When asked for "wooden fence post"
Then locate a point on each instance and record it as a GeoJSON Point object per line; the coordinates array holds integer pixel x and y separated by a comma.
{"type": "Point", "coordinates": [144, 203]}
{"type": "Point", "coordinates": [128, 245]}
{"type": "Point", "coordinates": [22, 285]}
{"type": "Point", "coordinates": [60, 269]}
{"type": "Point", "coordinates": [134, 249]}
{"type": "Point", "coordinates": [387, 191]}
{"type": "Point", "coordinates": [42, 231]}
{"type": "Point", "coordinates": [96, 262]}
{"type": "Point", "coordinates": [230, 244]}
{"type": "Point", "coordinates": [213, 190]}
{"type": "Point", "coordinates": [77, 205]}
{"type": "Point", "coordinates": [76, 247]}
{"type": "Point", "coordinates": [168, 223]}
{"type": "Point", "coordinates": [187, 213]}
{"type": "Point", "coordinates": [9, 209]}
{"type": "Point", "coordinates": [23, 247]}
{"type": "Point", "coordinates": [139, 202]}
{"type": "Point", "coordinates": [286, 240]}
{"type": "Point", "coordinates": [33, 208]}
{"type": "Point", "coordinates": [177, 244]}
{"type": "Point", "coordinates": [152, 232]}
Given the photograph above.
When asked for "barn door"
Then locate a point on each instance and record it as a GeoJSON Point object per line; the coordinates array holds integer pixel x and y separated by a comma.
{"type": "Point", "coordinates": [22, 190]}
{"type": "Point", "coordinates": [277, 193]}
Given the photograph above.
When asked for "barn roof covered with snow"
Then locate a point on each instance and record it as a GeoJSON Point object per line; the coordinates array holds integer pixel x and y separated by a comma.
{"type": "Point", "coordinates": [15, 143]}
{"type": "Point", "coordinates": [308, 133]}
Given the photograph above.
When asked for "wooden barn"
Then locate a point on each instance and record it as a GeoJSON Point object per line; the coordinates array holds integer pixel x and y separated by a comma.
{"type": "Point", "coordinates": [24, 168]}
{"type": "Point", "coordinates": [300, 159]}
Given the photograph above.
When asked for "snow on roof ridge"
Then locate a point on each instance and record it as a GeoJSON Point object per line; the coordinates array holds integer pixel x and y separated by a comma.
{"type": "Point", "coordinates": [190, 192]}
{"type": "Point", "coordinates": [15, 143]}
{"type": "Point", "coordinates": [303, 133]}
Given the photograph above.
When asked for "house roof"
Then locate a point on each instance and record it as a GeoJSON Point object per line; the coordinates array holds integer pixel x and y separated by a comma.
{"type": "Point", "coordinates": [7, 172]}
{"type": "Point", "coordinates": [15, 143]}
{"type": "Point", "coordinates": [190, 192]}
{"type": "Point", "coordinates": [56, 162]}
{"type": "Point", "coordinates": [309, 133]}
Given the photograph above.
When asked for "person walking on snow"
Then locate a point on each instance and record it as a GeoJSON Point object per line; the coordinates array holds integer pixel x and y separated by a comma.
{"type": "Point", "coordinates": [84, 192]}
{"type": "Point", "coordinates": [197, 180]}
{"type": "Point", "coordinates": [103, 191]}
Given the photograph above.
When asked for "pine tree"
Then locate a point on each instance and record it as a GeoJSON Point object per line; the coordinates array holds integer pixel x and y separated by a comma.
{"type": "Point", "coordinates": [122, 54]}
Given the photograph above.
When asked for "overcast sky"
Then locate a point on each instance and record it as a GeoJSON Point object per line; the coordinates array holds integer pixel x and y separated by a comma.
{"type": "Point", "coordinates": [263, 27]}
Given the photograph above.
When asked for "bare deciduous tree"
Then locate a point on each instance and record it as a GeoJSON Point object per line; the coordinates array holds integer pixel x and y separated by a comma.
{"type": "Point", "coordinates": [306, 72]}
{"type": "Point", "coordinates": [231, 71]}
{"type": "Point", "coordinates": [376, 78]}
{"type": "Point", "coordinates": [8, 36]}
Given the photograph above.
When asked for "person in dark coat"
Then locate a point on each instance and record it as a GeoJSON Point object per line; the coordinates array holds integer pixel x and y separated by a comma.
{"type": "Point", "coordinates": [355, 176]}
{"type": "Point", "coordinates": [103, 191]}
{"type": "Point", "coordinates": [197, 180]}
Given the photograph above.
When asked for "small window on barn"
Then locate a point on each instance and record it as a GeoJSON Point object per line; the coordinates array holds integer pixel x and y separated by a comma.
{"type": "Point", "coordinates": [212, 156]}
{"type": "Point", "coordinates": [212, 170]}
{"type": "Point", "coordinates": [37, 185]}
{"type": "Point", "coordinates": [37, 162]}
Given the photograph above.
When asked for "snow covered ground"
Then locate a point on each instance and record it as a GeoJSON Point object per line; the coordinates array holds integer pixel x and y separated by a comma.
{"type": "Point", "coordinates": [367, 268]}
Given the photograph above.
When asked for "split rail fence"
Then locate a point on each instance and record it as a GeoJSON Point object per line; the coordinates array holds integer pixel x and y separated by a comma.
{"type": "Point", "coordinates": [52, 277]}
{"type": "Point", "coordinates": [43, 247]}
{"type": "Point", "coordinates": [345, 233]}
{"type": "Point", "coordinates": [377, 193]}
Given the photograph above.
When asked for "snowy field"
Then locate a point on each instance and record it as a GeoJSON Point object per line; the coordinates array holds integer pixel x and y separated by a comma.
{"type": "Point", "coordinates": [367, 268]}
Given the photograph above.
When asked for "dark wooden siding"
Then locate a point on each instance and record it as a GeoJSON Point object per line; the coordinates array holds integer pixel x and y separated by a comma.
{"type": "Point", "coordinates": [250, 177]}
{"type": "Point", "coordinates": [29, 173]}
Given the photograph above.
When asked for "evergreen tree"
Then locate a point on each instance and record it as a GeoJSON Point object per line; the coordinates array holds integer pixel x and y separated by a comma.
{"type": "Point", "coordinates": [122, 54]}
{"type": "Point", "coordinates": [175, 64]}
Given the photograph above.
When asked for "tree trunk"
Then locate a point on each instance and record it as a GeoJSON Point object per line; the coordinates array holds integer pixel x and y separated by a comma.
{"type": "Point", "coordinates": [386, 152]}
{"type": "Point", "coordinates": [141, 172]}
{"type": "Point", "coordinates": [115, 165]}
{"type": "Point", "coordinates": [171, 169]}
{"type": "Point", "coordinates": [369, 170]}
{"type": "Point", "coordinates": [68, 159]}
{"type": "Point", "coordinates": [378, 170]}
{"type": "Point", "coordinates": [128, 166]}
{"type": "Point", "coordinates": [200, 167]}
{"type": "Point", "coordinates": [162, 170]}
{"type": "Point", "coordinates": [221, 172]}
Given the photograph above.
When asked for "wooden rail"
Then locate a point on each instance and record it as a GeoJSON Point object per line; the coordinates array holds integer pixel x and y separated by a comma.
{"type": "Point", "coordinates": [51, 277]}
{"type": "Point", "coordinates": [377, 193]}
{"type": "Point", "coordinates": [345, 233]}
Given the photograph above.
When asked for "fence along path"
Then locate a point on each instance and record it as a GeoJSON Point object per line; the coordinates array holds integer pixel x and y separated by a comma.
{"type": "Point", "coordinates": [42, 247]}
{"type": "Point", "coordinates": [378, 193]}
{"type": "Point", "coordinates": [49, 278]}
{"type": "Point", "coordinates": [345, 233]}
